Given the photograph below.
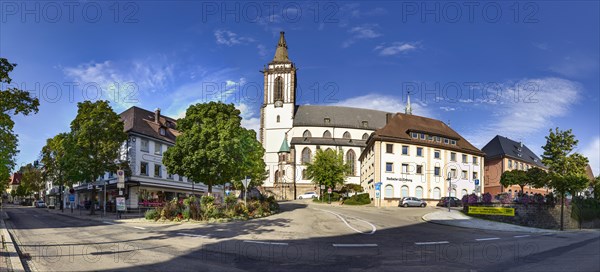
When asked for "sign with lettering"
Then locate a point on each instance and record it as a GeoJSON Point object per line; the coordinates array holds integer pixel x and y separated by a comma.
{"type": "Point", "coordinates": [121, 204]}
{"type": "Point", "coordinates": [398, 179]}
{"type": "Point", "coordinates": [492, 211]}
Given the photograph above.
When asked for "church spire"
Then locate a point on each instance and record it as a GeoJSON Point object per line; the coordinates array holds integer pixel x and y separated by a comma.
{"type": "Point", "coordinates": [281, 54]}
{"type": "Point", "coordinates": [408, 109]}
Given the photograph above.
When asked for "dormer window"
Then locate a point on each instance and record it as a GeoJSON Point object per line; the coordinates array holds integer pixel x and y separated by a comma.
{"type": "Point", "coordinates": [327, 120]}
{"type": "Point", "coordinates": [453, 142]}
{"type": "Point", "coordinates": [162, 131]}
{"type": "Point", "coordinates": [365, 124]}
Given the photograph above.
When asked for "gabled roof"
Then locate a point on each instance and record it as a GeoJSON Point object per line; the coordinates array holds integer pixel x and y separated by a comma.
{"type": "Point", "coordinates": [15, 178]}
{"type": "Point", "coordinates": [345, 117]}
{"type": "Point", "coordinates": [141, 121]}
{"type": "Point", "coordinates": [501, 146]}
{"type": "Point", "coordinates": [400, 125]}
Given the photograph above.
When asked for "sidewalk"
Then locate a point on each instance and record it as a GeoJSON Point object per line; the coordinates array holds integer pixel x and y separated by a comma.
{"type": "Point", "coordinates": [9, 257]}
{"type": "Point", "coordinates": [110, 217]}
{"type": "Point", "coordinates": [458, 219]}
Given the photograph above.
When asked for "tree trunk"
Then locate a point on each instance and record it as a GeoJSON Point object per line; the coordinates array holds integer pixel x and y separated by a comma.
{"type": "Point", "coordinates": [93, 199]}
{"type": "Point", "coordinates": [522, 189]}
{"type": "Point", "coordinates": [562, 208]}
{"type": "Point", "coordinates": [210, 188]}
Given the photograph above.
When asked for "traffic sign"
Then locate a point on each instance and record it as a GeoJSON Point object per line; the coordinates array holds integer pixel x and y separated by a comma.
{"type": "Point", "coordinates": [245, 182]}
{"type": "Point", "coordinates": [377, 194]}
{"type": "Point", "coordinates": [329, 190]}
{"type": "Point", "coordinates": [71, 198]}
{"type": "Point", "coordinates": [120, 179]}
{"type": "Point", "coordinates": [322, 187]}
{"type": "Point", "coordinates": [477, 182]}
{"type": "Point", "coordinates": [378, 186]}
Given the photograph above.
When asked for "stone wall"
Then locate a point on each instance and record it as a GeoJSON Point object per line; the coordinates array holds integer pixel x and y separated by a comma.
{"type": "Point", "coordinates": [536, 215]}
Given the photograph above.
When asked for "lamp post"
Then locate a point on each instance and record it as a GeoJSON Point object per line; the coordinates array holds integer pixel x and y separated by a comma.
{"type": "Point", "coordinates": [449, 179]}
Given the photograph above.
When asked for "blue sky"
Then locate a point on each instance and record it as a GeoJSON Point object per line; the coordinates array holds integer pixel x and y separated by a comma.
{"type": "Point", "coordinates": [514, 69]}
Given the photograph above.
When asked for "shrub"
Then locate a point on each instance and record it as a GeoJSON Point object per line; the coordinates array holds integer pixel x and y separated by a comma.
{"type": "Point", "coordinates": [151, 214]}
{"type": "Point", "coordinates": [186, 213]}
{"type": "Point", "coordinates": [205, 200]}
{"type": "Point", "coordinates": [361, 199]}
{"type": "Point", "coordinates": [465, 200]}
{"type": "Point", "coordinates": [505, 198]}
{"type": "Point", "coordinates": [195, 211]}
{"type": "Point", "coordinates": [525, 199]}
{"type": "Point", "coordinates": [538, 199]}
{"type": "Point", "coordinates": [230, 200]}
{"type": "Point", "coordinates": [472, 199]}
{"type": "Point", "coordinates": [487, 198]}
{"type": "Point", "coordinates": [550, 199]}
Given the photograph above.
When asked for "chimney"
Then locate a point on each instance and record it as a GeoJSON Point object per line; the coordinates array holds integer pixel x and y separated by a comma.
{"type": "Point", "coordinates": [157, 115]}
{"type": "Point", "coordinates": [388, 117]}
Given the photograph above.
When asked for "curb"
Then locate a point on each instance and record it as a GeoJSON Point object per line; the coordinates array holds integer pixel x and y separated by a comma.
{"type": "Point", "coordinates": [528, 229]}
{"type": "Point", "coordinates": [11, 248]}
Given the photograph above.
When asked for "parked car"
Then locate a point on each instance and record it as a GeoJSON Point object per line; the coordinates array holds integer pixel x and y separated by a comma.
{"type": "Point", "coordinates": [454, 202]}
{"type": "Point", "coordinates": [308, 195]}
{"type": "Point", "coordinates": [412, 202]}
{"type": "Point", "coordinates": [40, 204]}
{"type": "Point", "coordinates": [253, 193]}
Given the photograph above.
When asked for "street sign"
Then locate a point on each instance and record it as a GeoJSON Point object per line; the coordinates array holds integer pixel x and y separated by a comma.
{"type": "Point", "coordinates": [120, 179]}
{"type": "Point", "coordinates": [90, 186]}
{"type": "Point", "coordinates": [377, 194]}
{"type": "Point", "coordinates": [378, 186]}
{"type": "Point", "coordinates": [71, 198]}
{"type": "Point", "coordinates": [477, 182]}
{"type": "Point", "coordinates": [322, 187]}
{"type": "Point", "coordinates": [245, 182]}
{"type": "Point", "coordinates": [329, 190]}
{"type": "Point", "coordinates": [121, 204]}
{"type": "Point", "coordinates": [227, 192]}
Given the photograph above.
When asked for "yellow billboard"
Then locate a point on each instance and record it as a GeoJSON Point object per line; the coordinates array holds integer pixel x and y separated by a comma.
{"type": "Point", "coordinates": [492, 210]}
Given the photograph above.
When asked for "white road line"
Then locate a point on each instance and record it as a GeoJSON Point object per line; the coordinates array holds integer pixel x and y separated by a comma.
{"type": "Point", "coordinates": [266, 243]}
{"type": "Point", "coordinates": [431, 243]}
{"type": "Point", "coordinates": [354, 245]}
{"type": "Point", "coordinates": [487, 239]}
{"type": "Point", "coordinates": [135, 227]}
{"type": "Point", "coordinates": [191, 235]}
{"type": "Point", "coordinates": [521, 236]}
{"type": "Point", "coordinates": [110, 223]}
{"type": "Point", "coordinates": [347, 224]}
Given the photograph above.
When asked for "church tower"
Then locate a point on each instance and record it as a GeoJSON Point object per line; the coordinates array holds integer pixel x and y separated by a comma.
{"type": "Point", "coordinates": [279, 102]}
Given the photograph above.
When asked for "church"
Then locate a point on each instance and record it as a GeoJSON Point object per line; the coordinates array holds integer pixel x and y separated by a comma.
{"type": "Point", "coordinates": [291, 134]}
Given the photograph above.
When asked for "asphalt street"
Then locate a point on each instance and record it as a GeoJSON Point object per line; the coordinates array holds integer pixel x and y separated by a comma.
{"type": "Point", "coordinates": [303, 237]}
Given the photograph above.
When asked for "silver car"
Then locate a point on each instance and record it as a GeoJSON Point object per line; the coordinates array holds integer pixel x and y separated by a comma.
{"type": "Point", "coordinates": [412, 202]}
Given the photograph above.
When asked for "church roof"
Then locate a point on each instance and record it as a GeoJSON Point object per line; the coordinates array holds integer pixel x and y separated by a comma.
{"type": "Point", "coordinates": [328, 141]}
{"type": "Point", "coordinates": [501, 146]}
{"type": "Point", "coordinates": [335, 116]}
{"type": "Point", "coordinates": [284, 146]}
{"type": "Point", "coordinates": [400, 125]}
{"type": "Point", "coordinates": [281, 54]}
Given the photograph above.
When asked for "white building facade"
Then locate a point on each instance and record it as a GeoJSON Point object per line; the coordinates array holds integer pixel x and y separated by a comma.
{"type": "Point", "coordinates": [413, 156]}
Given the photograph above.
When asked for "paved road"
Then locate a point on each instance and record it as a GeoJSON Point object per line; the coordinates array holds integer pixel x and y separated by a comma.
{"type": "Point", "coordinates": [304, 236]}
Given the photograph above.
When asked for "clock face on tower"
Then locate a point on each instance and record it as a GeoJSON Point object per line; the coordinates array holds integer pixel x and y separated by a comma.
{"type": "Point", "coordinates": [278, 103]}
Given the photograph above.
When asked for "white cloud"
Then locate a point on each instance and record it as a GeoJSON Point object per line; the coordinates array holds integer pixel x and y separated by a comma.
{"type": "Point", "coordinates": [592, 152]}
{"type": "Point", "coordinates": [542, 46]}
{"type": "Point", "coordinates": [122, 83]}
{"type": "Point", "coordinates": [230, 38]}
{"type": "Point", "coordinates": [525, 108]}
{"type": "Point", "coordinates": [396, 48]}
{"type": "Point", "coordinates": [447, 108]}
{"type": "Point", "coordinates": [576, 66]}
{"type": "Point", "coordinates": [385, 103]}
{"type": "Point", "coordinates": [360, 33]}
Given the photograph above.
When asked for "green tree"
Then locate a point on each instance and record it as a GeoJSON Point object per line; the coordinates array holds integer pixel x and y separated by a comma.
{"type": "Point", "coordinates": [59, 158]}
{"type": "Point", "coordinates": [12, 101]}
{"type": "Point", "coordinates": [514, 177]}
{"type": "Point", "coordinates": [32, 178]}
{"type": "Point", "coordinates": [537, 177]}
{"type": "Point", "coordinates": [328, 168]}
{"type": "Point", "coordinates": [595, 184]}
{"type": "Point", "coordinates": [22, 190]}
{"type": "Point", "coordinates": [98, 134]}
{"type": "Point", "coordinates": [213, 148]}
{"type": "Point", "coordinates": [566, 168]}
{"type": "Point", "coordinates": [253, 164]}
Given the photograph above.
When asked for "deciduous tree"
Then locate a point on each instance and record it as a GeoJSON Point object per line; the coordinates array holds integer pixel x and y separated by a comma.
{"type": "Point", "coordinates": [98, 134]}
{"type": "Point", "coordinates": [12, 101]}
{"type": "Point", "coordinates": [514, 177]}
{"type": "Point", "coordinates": [328, 168]}
{"type": "Point", "coordinates": [566, 168]}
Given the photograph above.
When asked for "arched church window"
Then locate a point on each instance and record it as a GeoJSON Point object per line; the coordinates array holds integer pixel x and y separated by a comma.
{"type": "Point", "coordinates": [278, 89]}
{"type": "Point", "coordinates": [347, 135]}
{"type": "Point", "coordinates": [327, 134]}
{"type": "Point", "coordinates": [306, 155]}
{"type": "Point", "coordinates": [351, 160]}
{"type": "Point", "coordinates": [365, 136]}
{"type": "Point", "coordinates": [306, 134]}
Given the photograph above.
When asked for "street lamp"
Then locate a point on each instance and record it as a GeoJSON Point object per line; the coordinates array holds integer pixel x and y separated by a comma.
{"type": "Point", "coordinates": [449, 179]}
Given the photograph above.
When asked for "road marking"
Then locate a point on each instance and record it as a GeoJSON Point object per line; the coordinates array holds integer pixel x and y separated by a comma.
{"type": "Point", "coordinates": [266, 243]}
{"type": "Point", "coordinates": [110, 223]}
{"type": "Point", "coordinates": [431, 243]}
{"type": "Point", "coordinates": [192, 235]}
{"type": "Point", "coordinates": [487, 239]}
{"type": "Point", "coordinates": [135, 227]}
{"type": "Point", "coordinates": [521, 236]}
{"type": "Point", "coordinates": [347, 224]}
{"type": "Point", "coordinates": [354, 245]}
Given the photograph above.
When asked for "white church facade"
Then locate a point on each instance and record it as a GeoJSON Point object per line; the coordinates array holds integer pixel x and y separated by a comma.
{"type": "Point", "coordinates": [291, 133]}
